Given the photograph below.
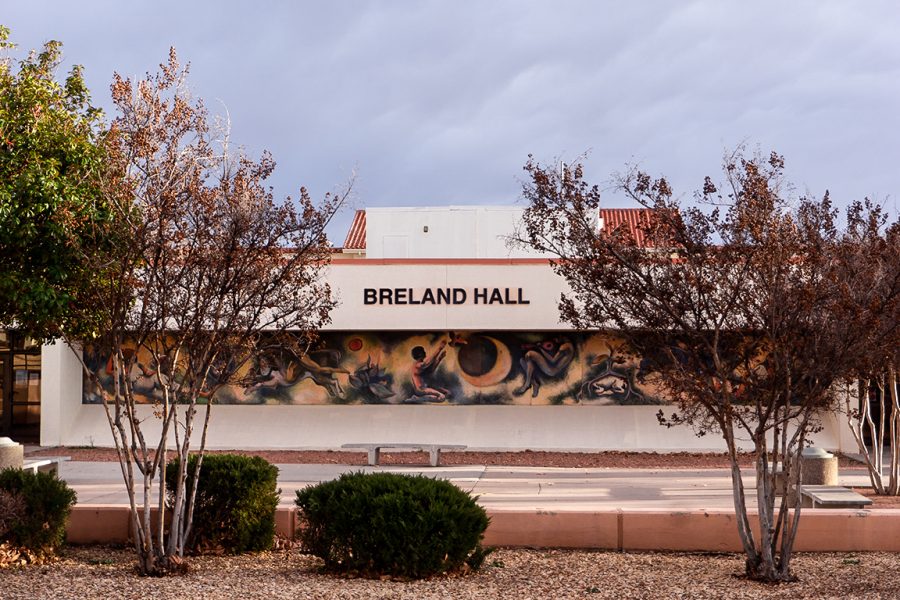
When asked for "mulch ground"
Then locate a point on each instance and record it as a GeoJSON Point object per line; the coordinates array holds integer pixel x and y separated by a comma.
{"type": "Point", "coordinates": [95, 572]}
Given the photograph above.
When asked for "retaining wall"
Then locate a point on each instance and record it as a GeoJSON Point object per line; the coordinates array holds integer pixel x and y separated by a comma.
{"type": "Point", "coordinates": [821, 530]}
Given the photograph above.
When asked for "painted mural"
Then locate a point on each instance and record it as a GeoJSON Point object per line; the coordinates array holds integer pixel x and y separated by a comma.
{"type": "Point", "coordinates": [450, 368]}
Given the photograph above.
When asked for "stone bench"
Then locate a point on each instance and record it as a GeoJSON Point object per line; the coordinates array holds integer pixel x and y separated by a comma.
{"type": "Point", "coordinates": [831, 496]}
{"type": "Point", "coordinates": [44, 464]}
{"type": "Point", "coordinates": [434, 450]}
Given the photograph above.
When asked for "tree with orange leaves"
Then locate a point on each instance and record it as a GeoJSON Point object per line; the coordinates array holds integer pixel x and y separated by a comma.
{"type": "Point", "coordinates": [728, 302]}
{"type": "Point", "coordinates": [211, 269]}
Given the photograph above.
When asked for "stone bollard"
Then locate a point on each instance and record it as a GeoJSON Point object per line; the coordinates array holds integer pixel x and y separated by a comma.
{"type": "Point", "coordinates": [11, 454]}
{"type": "Point", "coordinates": [780, 480]}
{"type": "Point", "coordinates": [818, 467]}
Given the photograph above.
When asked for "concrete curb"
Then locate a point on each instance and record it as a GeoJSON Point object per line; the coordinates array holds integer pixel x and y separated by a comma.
{"type": "Point", "coordinates": [821, 530]}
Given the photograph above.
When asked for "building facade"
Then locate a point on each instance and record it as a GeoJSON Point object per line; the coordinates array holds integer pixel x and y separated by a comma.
{"type": "Point", "coordinates": [443, 333]}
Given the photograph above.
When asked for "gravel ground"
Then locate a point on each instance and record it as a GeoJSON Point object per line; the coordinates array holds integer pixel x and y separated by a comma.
{"type": "Point", "coordinates": [92, 572]}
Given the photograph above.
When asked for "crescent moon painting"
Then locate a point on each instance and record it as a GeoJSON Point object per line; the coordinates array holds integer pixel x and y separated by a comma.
{"type": "Point", "coordinates": [484, 361]}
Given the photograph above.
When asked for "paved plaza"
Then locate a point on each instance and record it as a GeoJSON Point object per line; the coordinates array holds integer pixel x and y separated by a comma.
{"type": "Point", "coordinates": [499, 488]}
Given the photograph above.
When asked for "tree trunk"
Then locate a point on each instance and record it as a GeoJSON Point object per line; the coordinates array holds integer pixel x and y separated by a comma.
{"type": "Point", "coordinates": [890, 388]}
{"type": "Point", "coordinates": [740, 505]}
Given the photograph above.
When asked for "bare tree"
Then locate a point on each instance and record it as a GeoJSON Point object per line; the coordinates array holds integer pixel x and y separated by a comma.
{"type": "Point", "coordinates": [723, 303]}
{"type": "Point", "coordinates": [867, 273]}
{"type": "Point", "coordinates": [210, 271]}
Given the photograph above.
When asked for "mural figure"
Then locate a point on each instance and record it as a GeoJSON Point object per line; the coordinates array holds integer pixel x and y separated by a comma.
{"type": "Point", "coordinates": [549, 359]}
{"type": "Point", "coordinates": [144, 375]}
{"type": "Point", "coordinates": [424, 367]}
{"type": "Point", "coordinates": [269, 374]}
{"type": "Point", "coordinates": [609, 381]}
{"type": "Point", "coordinates": [276, 373]}
{"type": "Point", "coordinates": [372, 383]}
{"type": "Point", "coordinates": [322, 374]}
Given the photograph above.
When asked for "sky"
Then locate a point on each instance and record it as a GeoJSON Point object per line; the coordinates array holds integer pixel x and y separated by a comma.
{"type": "Point", "coordinates": [438, 103]}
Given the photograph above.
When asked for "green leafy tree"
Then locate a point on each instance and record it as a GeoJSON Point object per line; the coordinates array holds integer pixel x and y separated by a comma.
{"type": "Point", "coordinates": [51, 212]}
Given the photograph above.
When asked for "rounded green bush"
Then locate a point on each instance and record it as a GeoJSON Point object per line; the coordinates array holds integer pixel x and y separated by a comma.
{"type": "Point", "coordinates": [234, 510]}
{"type": "Point", "coordinates": [389, 524]}
{"type": "Point", "coordinates": [47, 500]}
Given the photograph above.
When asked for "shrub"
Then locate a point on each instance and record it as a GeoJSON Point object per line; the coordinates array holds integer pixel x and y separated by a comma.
{"type": "Point", "coordinates": [47, 502]}
{"type": "Point", "coordinates": [389, 524]}
{"type": "Point", "coordinates": [234, 510]}
{"type": "Point", "coordinates": [12, 509]}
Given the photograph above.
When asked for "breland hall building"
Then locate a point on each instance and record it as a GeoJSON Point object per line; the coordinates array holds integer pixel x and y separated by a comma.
{"type": "Point", "coordinates": [443, 334]}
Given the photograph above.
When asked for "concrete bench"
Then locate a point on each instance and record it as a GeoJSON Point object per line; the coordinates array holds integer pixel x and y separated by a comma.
{"type": "Point", "coordinates": [434, 450]}
{"type": "Point", "coordinates": [44, 464]}
{"type": "Point", "coordinates": [831, 496]}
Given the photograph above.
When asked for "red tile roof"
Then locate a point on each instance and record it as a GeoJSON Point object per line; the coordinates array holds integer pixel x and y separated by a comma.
{"type": "Point", "coordinates": [356, 237]}
{"type": "Point", "coordinates": [613, 218]}
{"type": "Point", "coordinates": [635, 219]}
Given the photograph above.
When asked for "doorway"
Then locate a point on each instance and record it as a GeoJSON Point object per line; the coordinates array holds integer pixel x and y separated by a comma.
{"type": "Point", "coordinates": [20, 388]}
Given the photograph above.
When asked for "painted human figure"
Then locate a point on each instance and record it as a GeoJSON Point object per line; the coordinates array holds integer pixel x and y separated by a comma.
{"type": "Point", "coordinates": [148, 380]}
{"type": "Point", "coordinates": [424, 366]}
{"type": "Point", "coordinates": [548, 359]}
{"type": "Point", "coordinates": [275, 372]}
{"type": "Point", "coordinates": [612, 382]}
{"type": "Point", "coordinates": [321, 374]}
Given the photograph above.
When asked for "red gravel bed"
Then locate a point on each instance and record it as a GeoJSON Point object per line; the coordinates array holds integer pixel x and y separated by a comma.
{"type": "Point", "coordinates": [525, 458]}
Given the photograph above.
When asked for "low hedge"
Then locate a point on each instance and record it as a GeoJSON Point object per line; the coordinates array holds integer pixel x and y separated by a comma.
{"type": "Point", "coordinates": [390, 524]}
{"type": "Point", "coordinates": [35, 509]}
{"type": "Point", "coordinates": [234, 510]}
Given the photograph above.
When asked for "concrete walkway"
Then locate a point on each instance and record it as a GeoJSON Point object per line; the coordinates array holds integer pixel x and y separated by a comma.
{"type": "Point", "coordinates": [499, 488]}
{"type": "Point", "coordinates": [617, 509]}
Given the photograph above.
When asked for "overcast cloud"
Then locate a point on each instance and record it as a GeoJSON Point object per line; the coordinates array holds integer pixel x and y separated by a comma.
{"type": "Point", "coordinates": [439, 103]}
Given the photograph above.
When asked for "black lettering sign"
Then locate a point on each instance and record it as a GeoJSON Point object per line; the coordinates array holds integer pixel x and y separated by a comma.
{"type": "Point", "coordinates": [408, 296]}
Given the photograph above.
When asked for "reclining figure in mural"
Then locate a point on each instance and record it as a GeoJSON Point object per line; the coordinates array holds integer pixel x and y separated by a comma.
{"type": "Point", "coordinates": [545, 360]}
{"type": "Point", "coordinates": [612, 382]}
{"type": "Point", "coordinates": [147, 378]}
{"type": "Point", "coordinates": [320, 373]}
{"type": "Point", "coordinates": [424, 367]}
{"type": "Point", "coordinates": [276, 372]}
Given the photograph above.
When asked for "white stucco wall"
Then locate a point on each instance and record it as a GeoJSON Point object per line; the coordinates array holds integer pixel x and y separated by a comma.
{"type": "Point", "coordinates": [65, 420]}
{"type": "Point", "coordinates": [443, 232]}
{"type": "Point", "coordinates": [479, 427]}
{"type": "Point", "coordinates": [61, 388]}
